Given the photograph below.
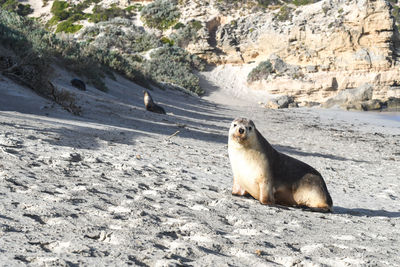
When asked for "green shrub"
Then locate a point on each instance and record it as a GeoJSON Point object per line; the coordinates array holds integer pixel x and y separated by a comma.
{"type": "Point", "coordinates": [265, 3]}
{"type": "Point", "coordinates": [15, 6]}
{"type": "Point", "coordinates": [135, 7]}
{"type": "Point", "coordinates": [303, 2]}
{"type": "Point", "coordinates": [187, 34]}
{"type": "Point", "coordinates": [68, 27]}
{"type": "Point", "coordinates": [284, 14]}
{"type": "Point", "coordinates": [58, 9]}
{"type": "Point", "coordinates": [104, 14]}
{"type": "Point", "coordinates": [24, 10]}
{"type": "Point", "coordinates": [178, 26]}
{"type": "Point", "coordinates": [125, 41]}
{"type": "Point", "coordinates": [36, 48]}
{"type": "Point", "coordinates": [261, 72]}
{"type": "Point", "coordinates": [174, 65]}
{"type": "Point", "coordinates": [115, 44]}
{"type": "Point", "coordinates": [161, 14]}
{"type": "Point", "coordinates": [167, 41]}
{"type": "Point", "coordinates": [120, 34]}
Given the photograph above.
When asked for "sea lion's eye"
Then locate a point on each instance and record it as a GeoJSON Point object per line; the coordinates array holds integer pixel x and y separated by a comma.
{"type": "Point", "coordinates": [250, 128]}
{"type": "Point", "coordinates": [234, 125]}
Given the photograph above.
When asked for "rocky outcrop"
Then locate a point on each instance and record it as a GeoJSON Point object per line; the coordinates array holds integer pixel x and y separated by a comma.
{"type": "Point", "coordinates": [281, 102]}
{"type": "Point", "coordinates": [332, 45]}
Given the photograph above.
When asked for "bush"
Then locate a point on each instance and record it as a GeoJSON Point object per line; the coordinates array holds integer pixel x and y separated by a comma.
{"type": "Point", "coordinates": [24, 10]}
{"type": "Point", "coordinates": [58, 9]}
{"type": "Point", "coordinates": [303, 2]}
{"type": "Point", "coordinates": [15, 6]}
{"type": "Point", "coordinates": [135, 7]}
{"type": "Point", "coordinates": [104, 14]}
{"type": "Point", "coordinates": [120, 34]}
{"type": "Point", "coordinates": [161, 14]}
{"type": "Point", "coordinates": [62, 11]}
{"type": "Point", "coordinates": [35, 49]}
{"type": "Point", "coordinates": [167, 41]}
{"type": "Point", "coordinates": [261, 72]}
{"type": "Point", "coordinates": [68, 27]}
{"type": "Point", "coordinates": [114, 44]}
{"type": "Point", "coordinates": [174, 65]}
{"type": "Point", "coordinates": [125, 41]}
{"type": "Point", "coordinates": [284, 14]}
{"type": "Point", "coordinates": [186, 34]}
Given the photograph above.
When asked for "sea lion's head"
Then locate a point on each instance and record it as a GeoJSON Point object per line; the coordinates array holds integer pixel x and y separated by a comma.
{"type": "Point", "coordinates": [148, 101]}
{"type": "Point", "coordinates": [242, 131]}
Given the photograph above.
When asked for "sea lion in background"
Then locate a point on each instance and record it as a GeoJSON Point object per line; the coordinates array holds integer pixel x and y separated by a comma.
{"type": "Point", "coordinates": [78, 84]}
{"type": "Point", "coordinates": [150, 105]}
{"type": "Point", "coordinates": [270, 176]}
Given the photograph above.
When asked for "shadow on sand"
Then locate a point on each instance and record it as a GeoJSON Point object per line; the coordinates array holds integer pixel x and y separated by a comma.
{"type": "Point", "coordinates": [119, 119]}
{"type": "Point", "coordinates": [293, 151]}
{"type": "Point", "coordinates": [366, 212]}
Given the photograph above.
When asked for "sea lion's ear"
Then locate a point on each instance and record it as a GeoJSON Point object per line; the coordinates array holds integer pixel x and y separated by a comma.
{"type": "Point", "coordinates": [252, 123]}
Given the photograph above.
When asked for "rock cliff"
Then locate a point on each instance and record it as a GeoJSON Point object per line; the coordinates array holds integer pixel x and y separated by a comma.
{"type": "Point", "coordinates": [335, 45]}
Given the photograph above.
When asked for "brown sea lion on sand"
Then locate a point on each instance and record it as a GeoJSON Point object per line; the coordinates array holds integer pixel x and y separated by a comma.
{"type": "Point", "coordinates": [150, 105]}
{"type": "Point", "coordinates": [270, 176]}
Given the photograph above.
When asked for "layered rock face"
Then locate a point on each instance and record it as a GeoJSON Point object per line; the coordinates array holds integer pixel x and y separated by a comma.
{"type": "Point", "coordinates": [334, 44]}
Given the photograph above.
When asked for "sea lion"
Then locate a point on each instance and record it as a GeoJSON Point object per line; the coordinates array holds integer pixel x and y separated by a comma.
{"type": "Point", "coordinates": [78, 84]}
{"type": "Point", "coordinates": [150, 105]}
{"type": "Point", "coordinates": [270, 176]}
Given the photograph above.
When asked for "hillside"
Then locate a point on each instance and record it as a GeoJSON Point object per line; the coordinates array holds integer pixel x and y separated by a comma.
{"type": "Point", "coordinates": [317, 50]}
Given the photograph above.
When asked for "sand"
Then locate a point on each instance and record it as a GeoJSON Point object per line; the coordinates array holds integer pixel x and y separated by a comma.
{"type": "Point", "coordinates": [116, 187]}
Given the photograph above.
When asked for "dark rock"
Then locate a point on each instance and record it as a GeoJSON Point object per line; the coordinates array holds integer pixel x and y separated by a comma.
{"type": "Point", "coordinates": [78, 84]}
{"type": "Point", "coordinates": [75, 157]}
{"type": "Point", "coordinates": [393, 104]}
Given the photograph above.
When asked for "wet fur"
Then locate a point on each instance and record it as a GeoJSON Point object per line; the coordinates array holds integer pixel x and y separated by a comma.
{"type": "Point", "coordinates": [273, 177]}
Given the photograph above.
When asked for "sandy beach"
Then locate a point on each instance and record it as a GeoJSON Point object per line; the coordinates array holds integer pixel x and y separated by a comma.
{"type": "Point", "coordinates": [121, 186]}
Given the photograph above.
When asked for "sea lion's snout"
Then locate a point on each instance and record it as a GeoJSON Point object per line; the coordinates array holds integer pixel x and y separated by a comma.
{"type": "Point", "coordinates": [241, 130]}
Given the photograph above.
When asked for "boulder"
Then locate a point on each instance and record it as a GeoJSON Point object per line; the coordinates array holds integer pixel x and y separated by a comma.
{"type": "Point", "coordinates": [373, 104]}
{"type": "Point", "coordinates": [393, 104]}
{"type": "Point", "coordinates": [282, 102]}
{"type": "Point", "coordinates": [350, 96]}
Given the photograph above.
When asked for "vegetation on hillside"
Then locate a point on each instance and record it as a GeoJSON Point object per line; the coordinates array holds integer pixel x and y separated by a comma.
{"type": "Point", "coordinates": [107, 46]}
{"type": "Point", "coordinates": [15, 6]}
{"type": "Point", "coordinates": [174, 65]}
{"type": "Point", "coordinates": [261, 72]}
{"type": "Point", "coordinates": [120, 34]}
{"type": "Point", "coordinates": [161, 14]}
{"type": "Point", "coordinates": [65, 15]}
{"type": "Point", "coordinates": [186, 33]}
{"type": "Point", "coordinates": [167, 63]}
{"type": "Point", "coordinates": [237, 4]}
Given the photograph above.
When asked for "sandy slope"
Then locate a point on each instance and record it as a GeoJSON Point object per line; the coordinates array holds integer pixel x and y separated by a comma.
{"type": "Point", "coordinates": [113, 187]}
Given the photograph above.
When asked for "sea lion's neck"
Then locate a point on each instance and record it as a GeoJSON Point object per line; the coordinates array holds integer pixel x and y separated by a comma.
{"type": "Point", "coordinates": [266, 146]}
